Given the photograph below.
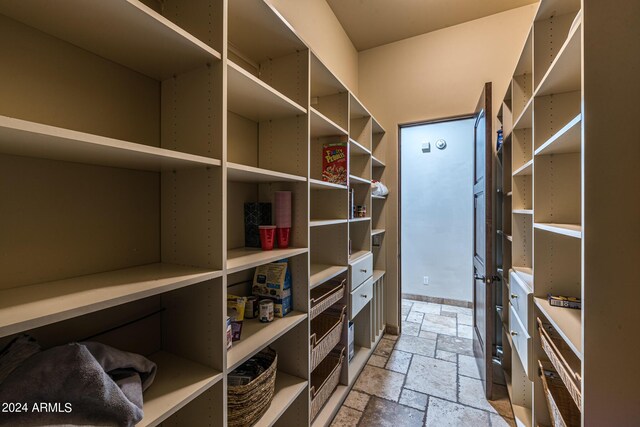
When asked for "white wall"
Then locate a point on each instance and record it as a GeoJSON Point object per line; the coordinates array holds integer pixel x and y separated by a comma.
{"type": "Point", "coordinates": [435, 75]}
{"type": "Point", "coordinates": [437, 212]}
{"type": "Point", "coordinates": [316, 24]}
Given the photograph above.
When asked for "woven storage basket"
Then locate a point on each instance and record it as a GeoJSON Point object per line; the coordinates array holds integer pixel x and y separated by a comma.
{"type": "Point", "coordinates": [326, 330]}
{"type": "Point", "coordinates": [325, 379]}
{"type": "Point", "coordinates": [324, 296]}
{"type": "Point", "coordinates": [562, 410]}
{"type": "Point", "coordinates": [565, 362]}
{"type": "Point", "coordinates": [247, 403]}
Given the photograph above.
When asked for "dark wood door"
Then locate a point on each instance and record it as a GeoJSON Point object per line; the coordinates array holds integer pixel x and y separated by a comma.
{"type": "Point", "coordinates": [483, 274]}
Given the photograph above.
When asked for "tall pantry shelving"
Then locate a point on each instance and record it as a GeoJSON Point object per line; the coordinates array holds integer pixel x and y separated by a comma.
{"type": "Point", "coordinates": [126, 159]}
{"type": "Point", "coordinates": [550, 161]}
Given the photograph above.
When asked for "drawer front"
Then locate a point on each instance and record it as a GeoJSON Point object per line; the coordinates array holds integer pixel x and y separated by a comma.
{"type": "Point", "coordinates": [520, 337]}
{"type": "Point", "coordinates": [361, 271]}
{"type": "Point", "coordinates": [521, 298]}
{"type": "Point", "coordinates": [360, 297]}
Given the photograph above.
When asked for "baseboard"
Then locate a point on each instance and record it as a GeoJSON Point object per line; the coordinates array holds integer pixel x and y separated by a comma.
{"type": "Point", "coordinates": [392, 330]}
{"type": "Point", "coordinates": [436, 300]}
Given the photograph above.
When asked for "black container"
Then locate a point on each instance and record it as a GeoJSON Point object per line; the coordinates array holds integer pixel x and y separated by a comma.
{"type": "Point", "coordinates": [255, 215]}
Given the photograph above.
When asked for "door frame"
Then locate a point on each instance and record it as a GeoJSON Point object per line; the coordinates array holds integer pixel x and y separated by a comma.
{"type": "Point", "coordinates": [399, 231]}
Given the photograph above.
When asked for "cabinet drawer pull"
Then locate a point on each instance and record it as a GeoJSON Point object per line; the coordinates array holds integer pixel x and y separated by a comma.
{"type": "Point", "coordinates": [363, 270]}
{"type": "Point", "coordinates": [514, 296]}
{"type": "Point", "coordinates": [363, 296]}
{"type": "Point", "coordinates": [514, 333]}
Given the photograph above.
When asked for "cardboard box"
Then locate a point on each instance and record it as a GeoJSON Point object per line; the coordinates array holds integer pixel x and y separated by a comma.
{"type": "Point", "coordinates": [335, 163]}
{"type": "Point", "coordinates": [565, 302]}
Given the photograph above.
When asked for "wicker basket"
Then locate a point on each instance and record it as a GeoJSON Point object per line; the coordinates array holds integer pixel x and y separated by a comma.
{"type": "Point", "coordinates": [326, 330]}
{"type": "Point", "coordinates": [247, 403]}
{"type": "Point", "coordinates": [563, 359]}
{"type": "Point", "coordinates": [324, 296]}
{"type": "Point", "coordinates": [325, 379]}
{"type": "Point", "coordinates": [562, 409]}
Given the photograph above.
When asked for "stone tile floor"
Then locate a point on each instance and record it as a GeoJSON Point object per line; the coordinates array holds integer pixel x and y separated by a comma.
{"type": "Point", "coordinates": [425, 377]}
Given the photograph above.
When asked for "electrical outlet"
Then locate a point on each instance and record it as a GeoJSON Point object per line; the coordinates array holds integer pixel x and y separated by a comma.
{"type": "Point", "coordinates": [425, 280]}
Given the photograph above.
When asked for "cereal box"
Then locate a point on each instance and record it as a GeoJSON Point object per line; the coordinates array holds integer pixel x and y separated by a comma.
{"type": "Point", "coordinates": [335, 163]}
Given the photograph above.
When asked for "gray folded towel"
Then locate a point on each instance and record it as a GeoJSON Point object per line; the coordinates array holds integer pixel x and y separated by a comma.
{"type": "Point", "coordinates": [82, 383]}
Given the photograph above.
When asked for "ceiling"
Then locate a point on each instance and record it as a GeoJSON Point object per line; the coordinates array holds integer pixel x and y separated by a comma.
{"type": "Point", "coordinates": [371, 23]}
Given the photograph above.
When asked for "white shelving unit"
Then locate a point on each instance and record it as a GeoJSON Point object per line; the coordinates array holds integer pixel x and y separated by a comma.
{"type": "Point", "coordinates": [128, 183]}
{"type": "Point", "coordinates": [552, 166]}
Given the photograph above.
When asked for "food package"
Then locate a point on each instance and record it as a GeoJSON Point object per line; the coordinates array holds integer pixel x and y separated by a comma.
{"type": "Point", "coordinates": [273, 281]}
{"type": "Point", "coordinates": [335, 163]}
{"type": "Point", "coordinates": [235, 311]}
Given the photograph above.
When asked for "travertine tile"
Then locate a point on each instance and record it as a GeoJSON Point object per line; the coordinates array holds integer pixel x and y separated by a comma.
{"type": "Point", "coordinates": [357, 400]}
{"type": "Point", "coordinates": [467, 366]}
{"type": "Point", "coordinates": [441, 413]}
{"type": "Point", "coordinates": [465, 319]}
{"type": "Point", "coordinates": [382, 413]}
{"type": "Point", "coordinates": [346, 417]}
{"type": "Point", "coordinates": [447, 355]}
{"type": "Point", "coordinates": [416, 345]}
{"type": "Point", "coordinates": [376, 360]}
{"type": "Point", "coordinates": [428, 335]}
{"type": "Point", "coordinates": [432, 376]}
{"type": "Point", "coordinates": [457, 310]}
{"type": "Point", "coordinates": [426, 307]}
{"type": "Point", "coordinates": [455, 344]}
{"type": "Point", "coordinates": [465, 331]}
{"type": "Point", "coordinates": [414, 399]}
{"type": "Point", "coordinates": [415, 316]}
{"type": "Point", "coordinates": [439, 324]}
{"type": "Point", "coordinates": [410, 329]}
{"type": "Point", "coordinates": [385, 347]}
{"type": "Point", "coordinates": [471, 393]}
{"type": "Point", "coordinates": [380, 382]}
{"type": "Point", "coordinates": [399, 361]}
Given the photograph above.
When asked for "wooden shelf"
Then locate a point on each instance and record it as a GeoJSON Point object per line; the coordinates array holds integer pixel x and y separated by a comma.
{"type": "Point", "coordinates": [242, 173]}
{"type": "Point", "coordinates": [27, 307]}
{"type": "Point", "coordinates": [178, 382]}
{"type": "Point", "coordinates": [525, 275]}
{"type": "Point", "coordinates": [374, 197]}
{"type": "Point", "coordinates": [525, 120]}
{"type": "Point", "coordinates": [356, 108]}
{"type": "Point", "coordinates": [360, 357]}
{"type": "Point", "coordinates": [523, 416]}
{"type": "Point", "coordinates": [321, 125]}
{"type": "Point", "coordinates": [377, 163]}
{"type": "Point", "coordinates": [317, 184]}
{"type": "Point", "coordinates": [523, 211]}
{"type": "Point", "coordinates": [244, 258]}
{"type": "Point", "coordinates": [377, 274]}
{"type": "Point", "coordinates": [287, 390]}
{"type": "Point", "coordinates": [323, 222]}
{"type": "Point", "coordinates": [570, 230]}
{"type": "Point", "coordinates": [357, 180]}
{"type": "Point", "coordinates": [257, 335]}
{"type": "Point", "coordinates": [357, 255]}
{"type": "Point", "coordinates": [250, 97]}
{"type": "Point", "coordinates": [376, 127]}
{"type": "Point", "coordinates": [320, 273]}
{"type": "Point", "coordinates": [377, 231]}
{"type": "Point", "coordinates": [24, 138]}
{"type": "Point", "coordinates": [358, 149]}
{"type": "Point", "coordinates": [360, 219]}
{"type": "Point", "coordinates": [566, 140]}
{"type": "Point", "coordinates": [567, 321]}
{"type": "Point", "coordinates": [524, 170]}
{"type": "Point", "coordinates": [323, 81]}
{"type": "Point", "coordinates": [564, 74]}
{"type": "Point", "coordinates": [145, 41]}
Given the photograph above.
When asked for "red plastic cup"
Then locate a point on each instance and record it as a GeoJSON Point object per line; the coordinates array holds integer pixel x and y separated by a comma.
{"type": "Point", "coordinates": [283, 237]}
{"type": "Point", "coordinates": [267, 236]}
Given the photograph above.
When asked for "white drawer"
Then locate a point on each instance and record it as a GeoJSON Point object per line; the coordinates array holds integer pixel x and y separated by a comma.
{"type": "Point", "coordinates": [360, 297]}
{"type": "Point", "coordinates": [520, 337]}
{"type": "Point", "coordinates": [360, 271]}
{"type": "Point", "coordinates": [521, 298]}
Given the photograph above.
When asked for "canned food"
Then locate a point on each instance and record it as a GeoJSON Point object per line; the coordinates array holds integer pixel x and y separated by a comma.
{"type": "Point", "coordinates": [251, 308]}
{"type": "Point", "coordinates": [266, 310]}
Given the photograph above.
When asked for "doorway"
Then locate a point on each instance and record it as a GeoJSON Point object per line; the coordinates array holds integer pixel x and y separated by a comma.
{"type": "Point", "coordinates": [436, 210]}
